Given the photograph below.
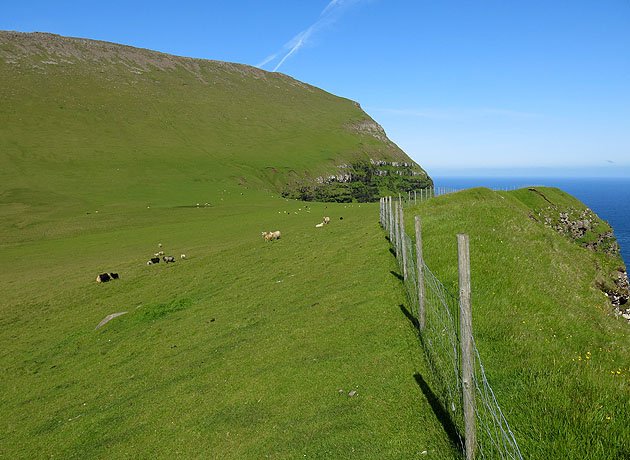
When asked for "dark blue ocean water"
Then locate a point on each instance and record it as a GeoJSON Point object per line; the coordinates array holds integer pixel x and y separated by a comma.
{"type": "Point", "coordinates": [609, 198]}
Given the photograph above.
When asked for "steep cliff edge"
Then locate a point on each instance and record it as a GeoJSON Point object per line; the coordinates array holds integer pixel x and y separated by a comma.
{"type": "Point", "coordinates": [571, 218]}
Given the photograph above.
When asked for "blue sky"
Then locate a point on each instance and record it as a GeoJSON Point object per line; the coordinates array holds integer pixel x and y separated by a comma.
{"type": "Point", "coordinates": [496, 85]}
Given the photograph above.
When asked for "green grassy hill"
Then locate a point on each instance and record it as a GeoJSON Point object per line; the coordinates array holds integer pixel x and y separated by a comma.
{"type": "Point", "coordinates": [85, 121]}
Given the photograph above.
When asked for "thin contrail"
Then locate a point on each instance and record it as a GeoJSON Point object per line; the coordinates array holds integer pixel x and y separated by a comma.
{"type": "Point", "coordinates": [267, 59]}
{"type": "Point", "coordinates": [327, 16]}
{"type": "Point", "coordinates": [330, 5]}
{"type": "Point", "coordinates": [293, 50]}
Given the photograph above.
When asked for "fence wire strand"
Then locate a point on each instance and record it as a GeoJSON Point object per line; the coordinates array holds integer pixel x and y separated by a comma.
{"type": "Point", "coordinates": [441, 343]}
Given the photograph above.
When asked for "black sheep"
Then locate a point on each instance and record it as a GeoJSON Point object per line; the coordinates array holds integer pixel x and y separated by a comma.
{"type": "Point", "coordinates": [102, 278]}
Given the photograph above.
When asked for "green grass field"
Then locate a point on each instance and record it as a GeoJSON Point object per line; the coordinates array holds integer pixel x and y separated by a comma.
{"type": "Point", "coordinates": [239, 351]}
{"type": "Point", "coordinates": [555, 355]}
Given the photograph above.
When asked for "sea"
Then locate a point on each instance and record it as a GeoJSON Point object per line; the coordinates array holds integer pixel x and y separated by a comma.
{"type": "Point", "coordinates": [608, 198]}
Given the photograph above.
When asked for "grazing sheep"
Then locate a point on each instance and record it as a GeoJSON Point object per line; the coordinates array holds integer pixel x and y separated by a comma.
{"type": "Point", "coordinates": [264, 235]}
{"type": "Point", "coordinates": [268, 236]}
{"type": "Point", "coordinates": [149, 262]}
{"type": "Point", "coordinates": [157, 254]}
{"type": "Point", "coordinates": [160, 253]}
{"type": "Point", "coordinates": [183, 256]}
{"type": "Point", "coordinates": [321, 224]}
{"type": "Point", "coordinates": [155, 260]}
{"type": "Point", "coordinates": [276, 235]}
{"type": "Point", "coordinates": [168, 259]}
{"type": "Point", "coordinates": [105, 277]}
{"type": "Point", "coordinates": [159, 245]}
{"type": "Point", "coordinates": [102, 278]}
{"type": "Point", "coordinates": [326, 220]}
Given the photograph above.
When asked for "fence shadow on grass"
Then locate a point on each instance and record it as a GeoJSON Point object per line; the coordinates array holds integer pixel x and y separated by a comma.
{"type": "Point", "coordinates": [442, 415]}
{"type": "Point", "coordinates": [409, 316]}
{"type": "Point", "coordinates": [397, 275]}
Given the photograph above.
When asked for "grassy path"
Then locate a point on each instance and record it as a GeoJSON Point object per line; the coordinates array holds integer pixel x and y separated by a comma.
{"type": "Point", "coordinates": [238, 352]}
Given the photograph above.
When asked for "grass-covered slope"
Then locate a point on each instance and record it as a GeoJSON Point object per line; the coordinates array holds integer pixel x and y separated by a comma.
{"type": "Point", "coordinates": [244, 350]}
{"type": "Point", "coordinates": [553, 350]}
{"type": "Point", "coordinates": [85, 121]}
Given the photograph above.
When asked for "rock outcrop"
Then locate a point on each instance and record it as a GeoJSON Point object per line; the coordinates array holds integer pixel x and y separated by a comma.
{"type": "Point", "coordinates": [581, 226]}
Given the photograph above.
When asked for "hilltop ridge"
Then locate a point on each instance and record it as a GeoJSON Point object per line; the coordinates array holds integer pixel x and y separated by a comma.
{"type": "Point", "coordinates": [98, 106]}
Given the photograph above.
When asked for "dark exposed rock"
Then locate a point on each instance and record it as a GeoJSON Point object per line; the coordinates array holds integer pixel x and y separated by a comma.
{"type": "Point", "coordinates": [620, 296]}
{"type": "Point", "coordinates": [361, 181]}
{"type": "Point", "coordinates": [582, 226]}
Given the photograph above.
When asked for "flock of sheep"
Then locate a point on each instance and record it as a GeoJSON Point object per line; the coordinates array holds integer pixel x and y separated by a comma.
{"type": "Point", "coordinates": [269, 236]}
{"type": "Point", "coordinates": [167, 259]}
{"type": "Point", "coordinates": [323, 222]}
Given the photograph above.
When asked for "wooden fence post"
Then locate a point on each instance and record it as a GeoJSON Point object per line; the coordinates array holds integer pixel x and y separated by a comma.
{"type": "Point", "coordinates": [391, 220]}
{"type": "Point", "coordinates": [403, 243]}
{"type": "Point", "coordinates": [396, 228]}
{"type": "Point", "coordinates": [466, 346]}
{"type": "Point", "coordinates": [422, 314]}
{"type": "Point", "coordinates": [415, 197]}
{"type": "Point", "coordinates": [385, 217]}
{"type": "Point", "coordinates": [380, 210]}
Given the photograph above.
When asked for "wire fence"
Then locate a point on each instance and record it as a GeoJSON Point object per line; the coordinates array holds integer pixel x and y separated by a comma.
{"type": "Point", "coordinates": [436, 312]}
{"type": "Point", "coordinates": [413, 197]}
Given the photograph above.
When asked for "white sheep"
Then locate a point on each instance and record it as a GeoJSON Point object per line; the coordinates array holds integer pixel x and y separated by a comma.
{"type": "Point", "coordinates": [183, 256]}
{"type": "Point", "coordinates": [326, 220]}
{"type": "Point", "coordinates": [321, 224]}
{"type": "Point", "coordinates": [159, 245]}
{"type": "Point", "coordinates": [276, 235]}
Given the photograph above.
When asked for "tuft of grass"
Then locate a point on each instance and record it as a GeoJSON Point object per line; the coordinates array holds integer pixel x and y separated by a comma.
{"type": "Point", "coordinates": [160, 310]}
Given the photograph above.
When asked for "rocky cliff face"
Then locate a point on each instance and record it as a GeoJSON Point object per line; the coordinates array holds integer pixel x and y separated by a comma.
{"type": "Point", "coordinates": [362, 181]}
{"type": "Point", "coordinates": [585, 228]}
